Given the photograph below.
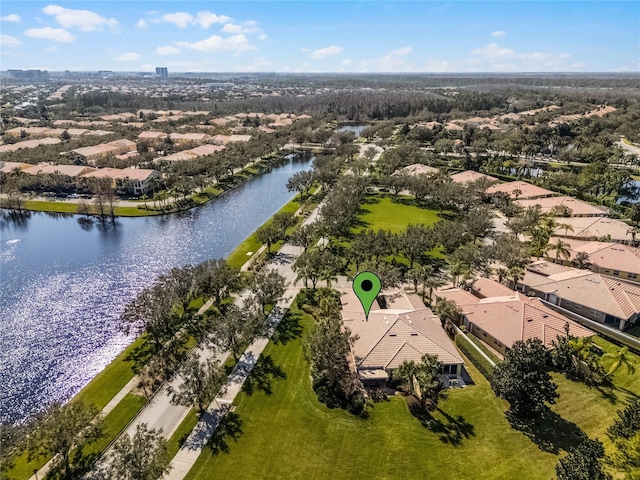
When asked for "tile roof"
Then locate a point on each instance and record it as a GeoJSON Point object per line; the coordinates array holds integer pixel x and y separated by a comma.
{"type": "Point", "coordinates": [607, 255]}
{"type": "Point", "coordinates": [578, 207]}
{"type": "Point", "coordinates": [470, 176]}
{"type": "Point", "coordinates": [527, 190]}
{"type": "Point", "coordinates": [594, 228]}
{"type": "Point", "coordinates": [609, 295]}
{"type": "Point", "coordinates": [513, 317]}
{"type": "Point", "coordinates": [405, 331]}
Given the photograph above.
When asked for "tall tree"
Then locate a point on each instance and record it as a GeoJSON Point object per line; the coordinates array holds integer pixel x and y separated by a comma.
{"type": "Point", "coordinates": [268, 286]}
{"type": "Point", "coordinates": [145, 456]}
{"type": "Point", "coordinates": [425, 375]}
{"type": "Point", "coordinates": [583, 462]}
{"type": "Point", "coordinates": [522, 378]}
{"type": "Point", "coordinates": [201, 383]}
{"type": "Point", "coordinates": [269, 234]}
{"type": "Point", "coordinates": [62, 433]}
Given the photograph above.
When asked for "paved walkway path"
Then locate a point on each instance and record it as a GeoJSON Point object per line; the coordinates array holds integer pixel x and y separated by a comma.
{"type": "Point", "coordinates": [197, 440]}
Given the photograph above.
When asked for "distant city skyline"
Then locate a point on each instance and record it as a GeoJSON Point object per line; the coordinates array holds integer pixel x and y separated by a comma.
{"type": "Point", "coordinates": [322, 36]}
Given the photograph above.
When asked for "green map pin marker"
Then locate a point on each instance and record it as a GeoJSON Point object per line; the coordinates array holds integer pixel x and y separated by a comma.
{"type": "Point", "coordinates": [366, 286]}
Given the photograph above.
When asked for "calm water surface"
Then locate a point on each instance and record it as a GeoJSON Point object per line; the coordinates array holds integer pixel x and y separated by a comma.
{"type": "Point", "coordinates": [64, 284]}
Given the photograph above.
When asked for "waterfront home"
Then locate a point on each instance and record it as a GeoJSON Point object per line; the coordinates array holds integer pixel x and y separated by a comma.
{"type": "Point", "coordinates": [572, 206]}
{"type": "Point", "coordinates": [136, 181]}
{"type": "Point", "coordinates": [519, 190]}
{"type": "Point", "coordinates": [404, 329]}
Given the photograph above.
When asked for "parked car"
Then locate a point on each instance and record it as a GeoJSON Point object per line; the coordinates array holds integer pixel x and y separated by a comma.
{"type": "Point", "coordinates": [73, 195]}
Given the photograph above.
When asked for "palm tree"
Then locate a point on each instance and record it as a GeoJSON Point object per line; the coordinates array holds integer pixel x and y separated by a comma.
{"type": "Point", "coordinates": [566, 227]}
{"type": "Point", "coordinates": [633, 231]}
{"type": "Point", "coordinates": [516, 274]}
{"type": "Point", "coordinates": [581, 261]}
{"type": "Point", "coordinates": [561, 249]}
{"type": "Point", "coordinates": [620, 358]}
{"type": "Point", "coordinates": [516, 193]}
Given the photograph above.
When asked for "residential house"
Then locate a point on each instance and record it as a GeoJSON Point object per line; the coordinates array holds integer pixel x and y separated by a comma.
{"type": "Point", "coordinates": [69, 173]}
{"type": "Point", "coordinates": [36, 142]}
{"type": "Point", "coordinates": [519, 190]}
{"type": "Point", "coordinates": [135, 181]}
{"type": "Point", "coordinates": [238, 138]}
{"type": "Point", "coordinates": [91, 154]}
{"type": "Point", "coordinates": [598, 297]}
{"type": "Point", "coordinates": [499, 316]}
{"type": "Point", "coordinates": [417, 169]}
{"type": "Point", "coordinates": [404, 330]}
{"type": "Point", "coordinates": [469, 176]}
{"type": "Point", "coordinates": [576, 208]}
{"type": "Point", "coordinates": [622, 261]}
{"type": "Point", "coordinates": [594, 229]}
{"type": "Point", "coordinates": [9, 167]}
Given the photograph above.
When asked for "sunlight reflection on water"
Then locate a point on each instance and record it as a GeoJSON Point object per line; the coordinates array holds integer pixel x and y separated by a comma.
{"type": "Point", "coordinates": [64, 284]}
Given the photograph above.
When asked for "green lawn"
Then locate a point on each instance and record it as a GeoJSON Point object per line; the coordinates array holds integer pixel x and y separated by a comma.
{"type": "Point", "coordinates": [394, 214]}
{"type": "Point", "coordinates": [103, 387]}
{"type": "Point", "coordinates": [594, 409]}
{"type": "Point", "coordinates": [182, 432]}
{"type": "Point", "coordinates": [289, 434]}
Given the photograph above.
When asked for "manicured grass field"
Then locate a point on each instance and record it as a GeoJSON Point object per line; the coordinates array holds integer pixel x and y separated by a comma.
{"type": "Point", "coordinates": [394, 214]}
{"type": "Point", "coordinates": [290, 435]}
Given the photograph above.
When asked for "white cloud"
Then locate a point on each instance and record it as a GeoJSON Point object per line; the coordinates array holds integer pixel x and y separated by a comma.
{"type": "Point", "coordinates": [142, 23]}
{"type": "Point", "coordinates": [393, 61]}
{"type": "Point", "coordinates": [236, 44]}
{"type": "Point", "coordinates": [167, 50]}
{"type": "Point", "coordinates": [148, 66]}
{"type": "Point", "coordinates": [181, 19]}
{"type": "Point", "coordinates": [11, 18]}
{"type": "Point", "coordinates": [206, 18]}
{"type": "Point", "coordinates": [493, 51]}
{"type": "Point", "coordinates": [494, 57]}
{"type": "Point", "coordinates": [8, 41]}
{"type": "Point", "coordinates": [499, 33]}
{"type": "Point", "coordinates": [128, 57]}
{"type": "Point", "coordinates": [85, 20]}
{"type": "Point", "coordinates": [346, 62]}
{"type": "Point", "coordinates": [401, 52]}
{"type": "Point", "coordinates": [262, 37]}
{"type": "Point", "coordinates": [247, 27]}
{"type": "Point", "coordinates": [48, 33]}
{"type": "Point", "coordinates": [326, 52]}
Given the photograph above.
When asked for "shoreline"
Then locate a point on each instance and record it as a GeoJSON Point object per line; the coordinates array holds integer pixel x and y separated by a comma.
{"type": "Point", "coordinates": [115, 375]}
{"type": "Point", "coordinates": [194, 200]}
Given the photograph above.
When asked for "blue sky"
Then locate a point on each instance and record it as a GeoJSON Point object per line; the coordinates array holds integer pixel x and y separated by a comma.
{"type": "Point", "coordinates": [322, 36]}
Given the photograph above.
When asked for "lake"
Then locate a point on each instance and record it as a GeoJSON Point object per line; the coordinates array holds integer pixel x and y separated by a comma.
{"type": "Point", "coordinates": [65, 283]}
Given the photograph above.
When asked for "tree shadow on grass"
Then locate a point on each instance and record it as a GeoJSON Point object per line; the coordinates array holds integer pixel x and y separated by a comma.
{"type": "Point", "coordinates": [288, 329]}
{"type": "Point", "coordinates": [230, 427]}
{"type": "Point", "coordinates": [452, 431]}
{"type": "Point", "coordinates": [140, 356]}
{"type": "Point", "coordinates": [262, 376]}
{"type": "Point", "coordinates": [550, 432]}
